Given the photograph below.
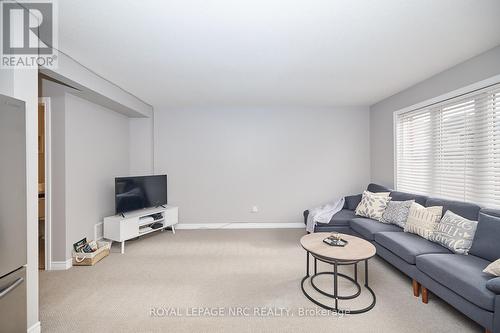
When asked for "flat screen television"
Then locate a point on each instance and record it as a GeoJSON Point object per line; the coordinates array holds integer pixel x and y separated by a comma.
{"type": "Point", "coordinates": [134, 193]}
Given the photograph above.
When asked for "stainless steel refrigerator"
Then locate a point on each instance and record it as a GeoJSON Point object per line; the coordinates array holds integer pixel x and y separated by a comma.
{"type": "Point", "coordinates": [13, 221]}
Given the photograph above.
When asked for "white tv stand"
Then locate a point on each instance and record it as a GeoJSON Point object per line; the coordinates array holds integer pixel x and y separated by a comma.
{"type": "Point", "coordinates": [121, 228]}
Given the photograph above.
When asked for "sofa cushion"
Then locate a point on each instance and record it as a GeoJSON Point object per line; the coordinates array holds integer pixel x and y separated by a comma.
{"type": "Point", "coordinates": [468, 210]}
{"type": "Point", "coordinates": [375, 188]}
{"type": "Point", "coordinates": [343, 218]}
{"type": "Point", "coordinates": [494, 285]}
{"type": "Point", "coordinates": [352, 201]}
{"type": "Point", "coordinates": [368, 227]}
{"type": "Point", "coordinates": [407, 246]}
{"type": "Point", "coordinates": [485, 243]}
{"type": "Point", "coordinates": [403, 196]}
{"type": "Point", "coordinates": [461, 274]}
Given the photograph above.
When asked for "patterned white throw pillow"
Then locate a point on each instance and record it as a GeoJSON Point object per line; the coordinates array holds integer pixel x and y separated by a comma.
{"type": "Point", "coordinates": [373, 205]}
{"type": "Point", "coordinates": [423, 220]}
{"type": "Point", "coordinates": [455, 233]}
{"type": "Point", "coordinates": [397, 212]}
{"type": "Point", "coordinates": [493, 268]}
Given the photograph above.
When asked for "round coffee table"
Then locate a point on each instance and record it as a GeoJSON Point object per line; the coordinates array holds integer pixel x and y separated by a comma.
{"type": "Point", "coordinates": [356, 250]}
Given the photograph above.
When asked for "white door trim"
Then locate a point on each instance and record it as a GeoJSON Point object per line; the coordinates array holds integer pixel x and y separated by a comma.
{"type": "Point", "coordinates": [48, 182]}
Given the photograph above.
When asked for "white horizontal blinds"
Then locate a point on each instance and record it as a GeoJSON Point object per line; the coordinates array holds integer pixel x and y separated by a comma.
{"type": "Point", "coordinates": [414, 164]}
{"type": "Point", "coordinates": [483, 172]}
{"type": "Point", "coordinates": [452, 149]}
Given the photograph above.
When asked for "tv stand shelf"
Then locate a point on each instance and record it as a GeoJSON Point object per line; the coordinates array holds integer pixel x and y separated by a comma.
{"type": "Point", "coordinates": [150, 222]}
{"type": "Point", "coordinates": [121, 228]}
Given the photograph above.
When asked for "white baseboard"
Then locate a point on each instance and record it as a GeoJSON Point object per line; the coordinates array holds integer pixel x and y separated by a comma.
{"type": "Point", "coordinates": [61, 265]}
{"type": "Point", "coordinates": [35, 328]}
{"type": "Point", "coordinates": [250, 225]}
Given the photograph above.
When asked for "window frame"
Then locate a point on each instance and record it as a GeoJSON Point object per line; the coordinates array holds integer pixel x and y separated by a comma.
{"type": "Point", "coordinates": [431, 104]}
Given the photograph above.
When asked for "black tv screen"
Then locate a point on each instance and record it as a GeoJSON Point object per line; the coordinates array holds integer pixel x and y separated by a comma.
{"type": "Point", "coordinates": [133, 193]}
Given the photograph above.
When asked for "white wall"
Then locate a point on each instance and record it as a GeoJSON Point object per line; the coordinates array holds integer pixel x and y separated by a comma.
{"type": "Point", "coordinates": [6, 82]}
{"type": "Point", "coordinates": [473, 70]}
{"type": "Point", "coordinates": [221, 162]}
{"type": "Point", "coordinates": [97, 150]}
{"type": "Point", "coordinates": [141, 146]}
{"type": "Point", "coordinates": [90, 146]}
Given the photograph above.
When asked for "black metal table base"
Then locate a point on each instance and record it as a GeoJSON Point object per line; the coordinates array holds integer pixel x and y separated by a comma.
{"type": "Point", "coordinates": [336, 275]}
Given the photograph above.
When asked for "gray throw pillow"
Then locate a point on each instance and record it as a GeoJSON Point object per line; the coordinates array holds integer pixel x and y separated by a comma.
{"type": "Point", "coordinates": [455, 233]}
{"type": "Point", "coordinates": [397, 212]}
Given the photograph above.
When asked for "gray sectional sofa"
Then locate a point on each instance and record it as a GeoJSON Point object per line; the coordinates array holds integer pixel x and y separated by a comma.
{"type": "Point", "coordinates": [457, 279]}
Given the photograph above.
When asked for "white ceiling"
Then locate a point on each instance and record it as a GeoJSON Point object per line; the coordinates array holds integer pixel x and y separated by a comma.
{"type": "Point", "coordinates": [246, 53]}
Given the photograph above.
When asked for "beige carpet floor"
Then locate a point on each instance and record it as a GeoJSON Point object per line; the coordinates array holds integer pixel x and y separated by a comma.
{"type": "Point", "coordinates": [185, 277]}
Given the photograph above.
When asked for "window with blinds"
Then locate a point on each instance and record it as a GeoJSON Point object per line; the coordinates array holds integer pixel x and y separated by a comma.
{"type": "Point", "coordinates": [452, 149]}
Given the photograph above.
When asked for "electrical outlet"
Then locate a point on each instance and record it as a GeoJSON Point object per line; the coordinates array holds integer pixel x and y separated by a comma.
{"type": "Point", "coordinates": [255, 209]}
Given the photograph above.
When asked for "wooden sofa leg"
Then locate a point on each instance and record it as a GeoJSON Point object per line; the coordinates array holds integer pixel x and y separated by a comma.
{"type": "Point", "coordinates": [425, 295]}
{"type": "Point", "coordinates": [416, 288]}
{"type": "Point", "coordinates": [487, 331]}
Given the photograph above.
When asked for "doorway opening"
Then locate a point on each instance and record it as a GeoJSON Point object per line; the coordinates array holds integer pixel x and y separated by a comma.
{"type": "Point", "coordinates": [44, 253]}
{"type": "Point", "coordinates": [41, 186]}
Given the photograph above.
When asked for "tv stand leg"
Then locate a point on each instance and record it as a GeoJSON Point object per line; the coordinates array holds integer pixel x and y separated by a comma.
{"type": "Point", "coordinates": [173, 229]}
{"type": "Point", "coordinates": [123, 247]}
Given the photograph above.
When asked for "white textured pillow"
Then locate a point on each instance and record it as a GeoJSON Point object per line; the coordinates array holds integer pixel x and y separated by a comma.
{"type": "Point", "coordinates": [455, 233]}
{"type": "Point", "coordinates": [423, 220]}
{"type": "Point", "coordinates": [373, 205]}
{"type": "Point", "coordinates": [493, 268]}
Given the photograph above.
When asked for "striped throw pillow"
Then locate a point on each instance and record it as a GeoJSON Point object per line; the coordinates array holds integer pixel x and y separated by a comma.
{"type": "Point", "coordinates": [423, 220]}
